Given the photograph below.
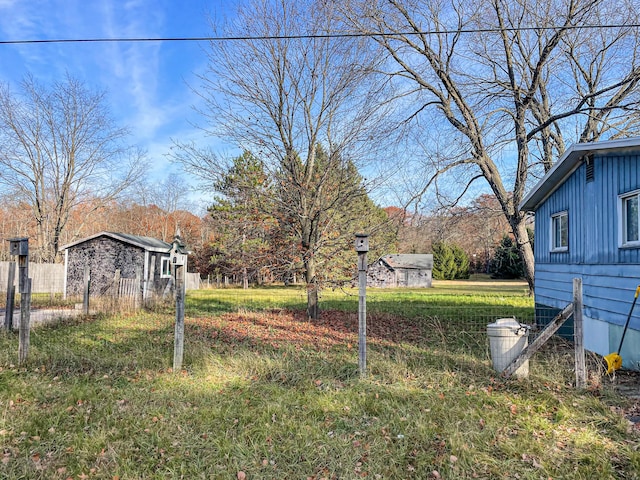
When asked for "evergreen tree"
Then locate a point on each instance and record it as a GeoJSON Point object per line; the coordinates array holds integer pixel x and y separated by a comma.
{"type": "Point", "coordinates": [323, 203]}
{"type": "Point", "coordinates": [280, 226]}
{"type": "Point", "coordinates": [444, 265]}
{"type": "Point", "coordinates": [506, 262]}
{"type": "Point", "coordinates": [450, 262]}
{"type": "Point", "coordinates": [244, 243]}
{"type": "Point", "coordinates": [461, 260]}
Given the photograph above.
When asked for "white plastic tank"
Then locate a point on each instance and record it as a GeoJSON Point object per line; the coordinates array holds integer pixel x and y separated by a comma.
{"type": "Point", "coordinates": [507, 339]}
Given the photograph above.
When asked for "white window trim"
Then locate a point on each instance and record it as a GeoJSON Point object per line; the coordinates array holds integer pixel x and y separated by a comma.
{"type": "Point", "coordinates": [552, 232]}
{"type": "Point", "coordinates": [622, 223]}
{"type": "Point", "coordinates": [164, 260]}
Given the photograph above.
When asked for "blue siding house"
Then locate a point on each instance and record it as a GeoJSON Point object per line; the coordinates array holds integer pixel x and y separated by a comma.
{"type": "Point", "coordinates": [587, 225]}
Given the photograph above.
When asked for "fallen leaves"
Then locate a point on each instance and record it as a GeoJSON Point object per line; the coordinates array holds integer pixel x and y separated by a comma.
{"type": "Point", "coordinates": [277, 327]}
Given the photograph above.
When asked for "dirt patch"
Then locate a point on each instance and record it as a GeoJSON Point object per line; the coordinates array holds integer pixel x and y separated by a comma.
{"type": "Point", "coordinates": [626, 383]}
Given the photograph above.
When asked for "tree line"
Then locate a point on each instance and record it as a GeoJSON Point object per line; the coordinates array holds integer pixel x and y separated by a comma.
{"type": "Point", "coordinates": [16, 220]}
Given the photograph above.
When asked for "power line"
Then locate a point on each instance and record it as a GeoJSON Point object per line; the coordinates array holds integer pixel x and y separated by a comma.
{"type": "Point", "coordinates": [307, 36]}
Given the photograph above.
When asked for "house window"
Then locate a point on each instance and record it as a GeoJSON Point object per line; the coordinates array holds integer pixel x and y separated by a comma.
{"type": "Point", "coordinates": [630, 235]}
{"type": "Point", "coordinates": [560, 232]}
{"type": "Point", "coordinates": [165, 267]}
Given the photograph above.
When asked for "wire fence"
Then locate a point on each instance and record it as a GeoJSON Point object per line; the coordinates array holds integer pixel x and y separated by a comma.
{"type": "Point", "coordinates": [455, 327]}
{"type": "Point", "coordinates": [49, 301]}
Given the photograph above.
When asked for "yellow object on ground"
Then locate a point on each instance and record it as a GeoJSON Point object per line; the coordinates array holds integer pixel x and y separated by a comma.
{"type": "Point", "coordinates": [614, 360]}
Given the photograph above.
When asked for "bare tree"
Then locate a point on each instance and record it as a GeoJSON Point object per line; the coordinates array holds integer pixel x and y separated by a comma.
{"type": "Point", "coordinates": [58, 148]}
{"type": "Point", "coordinates": [170, 197]}
{"type": "Point", "coordinates": [302, 102]}
{"type": "Point", "coordinates": [15, 221]}
{"type": "Point", "coordinates": [508, 82]}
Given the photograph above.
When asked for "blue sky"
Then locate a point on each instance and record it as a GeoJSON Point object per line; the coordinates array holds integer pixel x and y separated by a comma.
{"type": "Point", "coordinates": [147, 83]}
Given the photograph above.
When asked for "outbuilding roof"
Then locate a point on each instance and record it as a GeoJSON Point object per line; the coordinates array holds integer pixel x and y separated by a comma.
{"type": "Point", "coordinates": [568, 163]}
{"type": "Point", "coordinates": [148, 243]}
{"type": "Point", "coordinates": [419, 261]}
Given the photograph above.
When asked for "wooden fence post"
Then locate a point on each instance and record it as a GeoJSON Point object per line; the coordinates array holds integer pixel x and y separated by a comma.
{"type": "Point", "coordinates": [578, 334]}
{"type": "Point", "coordinates": [24, 283]}
{"type": "Point", "coordinates": [137, 301]}
{"type": "Point", "coordinates": [87, 290]}
{"type": "Point", "coordinates": [116, 283]}
{"type": "Point", "coordinates": [178, 260]}
{"type": "Point", "coordinates": [11, 297]}
{"type": "Point", "coordinates": [151, 288]}
{"type": "Point", "coordinates": [25, 321]}
{"type": "Point", "coordinates": [178, 347]}
{"type": "Point", "coordinates": [539, 341]}
{"type": "Point", "coordinates": [362, 247]}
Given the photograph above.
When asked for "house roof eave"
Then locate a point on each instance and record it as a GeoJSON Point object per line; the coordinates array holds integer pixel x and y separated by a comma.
{"type": "Point", "coordinates": [569, 163]}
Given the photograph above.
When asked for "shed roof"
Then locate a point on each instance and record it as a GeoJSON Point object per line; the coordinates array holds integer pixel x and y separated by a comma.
{"type": "Point", "coordinates": [568, 163]}
{"type": "Point", "coordinates": [147, 243]}
{"type": "Point", "coordinates": [409, 260]}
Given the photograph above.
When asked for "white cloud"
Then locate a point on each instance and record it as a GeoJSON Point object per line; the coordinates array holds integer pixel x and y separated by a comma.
{"type": "Point", "coordinates": [7, 3]}
{"type": "Point", "coordinates": [144, 80]}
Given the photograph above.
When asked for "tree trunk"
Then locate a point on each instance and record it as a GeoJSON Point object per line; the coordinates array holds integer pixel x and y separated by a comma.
{"type": "Point", "coordinates": [43, 252]}
{"type": "Point", "coordinates": [524, 248]}
{"type": "Point", "coordinates": [313, 310]}
{"type": "Point", "coordinates": [245, 275]}
{"type": "Point", "coordinates": [245, 279]}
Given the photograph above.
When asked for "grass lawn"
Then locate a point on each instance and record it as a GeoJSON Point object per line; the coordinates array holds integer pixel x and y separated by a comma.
{"type": "Point", "coordinates": [267, 395]}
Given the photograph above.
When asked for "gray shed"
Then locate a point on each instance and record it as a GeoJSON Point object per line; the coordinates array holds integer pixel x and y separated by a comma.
{"type": "Point", "coordinates": [401, 270]}
{"type": "Point", "coordinates": [136, 257]}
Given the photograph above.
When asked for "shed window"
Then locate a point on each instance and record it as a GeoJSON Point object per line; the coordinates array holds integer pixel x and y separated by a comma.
{"type": "Point", "coordinates": [630, 235]}
{"type": "Point", "coordinates": [560, 232]}
{"type": "Point", "coordinates": [165, 267]}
